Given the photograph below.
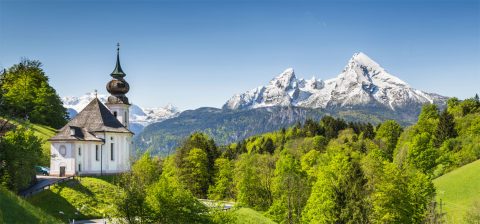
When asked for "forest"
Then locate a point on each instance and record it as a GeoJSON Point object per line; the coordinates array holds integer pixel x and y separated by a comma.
{"type": "Point", "coordinates": [327, 171]}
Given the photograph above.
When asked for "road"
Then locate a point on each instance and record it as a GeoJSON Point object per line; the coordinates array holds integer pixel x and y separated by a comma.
{"type": "Point", "coordinates": [42, 181]}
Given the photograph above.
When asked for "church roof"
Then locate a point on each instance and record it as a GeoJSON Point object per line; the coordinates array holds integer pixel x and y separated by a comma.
{"type": "Point", "coordinates": [95, 117]}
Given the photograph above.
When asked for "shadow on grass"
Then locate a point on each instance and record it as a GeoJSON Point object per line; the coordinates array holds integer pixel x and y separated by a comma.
{"type": "Point", "coordinates": [55, 205]}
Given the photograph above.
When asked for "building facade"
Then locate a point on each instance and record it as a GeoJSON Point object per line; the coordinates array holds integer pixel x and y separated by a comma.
{"type": "Point", "coordinates": [97, 140]}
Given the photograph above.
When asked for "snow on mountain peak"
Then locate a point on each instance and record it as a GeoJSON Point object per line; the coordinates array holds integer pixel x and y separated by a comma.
{"type": "Point", "coordinates": [285, 79]}
{"type": "Point", "coordinates": [138, 115]}
{"type": "Point", "coordinates": [363, 82]}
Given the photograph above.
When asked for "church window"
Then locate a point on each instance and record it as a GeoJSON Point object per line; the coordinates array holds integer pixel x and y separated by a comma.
{"type": "Point", "coordinates": [79, 151]}
{"type": "Point", "coordinates": [96, 152]}
{"type": "Point", "coordinates": [115, 113]}
{"type": "Point", "coordinates": [125, 118]}
{"type": "Point", "coordinates": [111, 151]}
{"type": "Point", "coordinates": [79, 167]}
{"type": "Point", "coordinates": [63, 150]}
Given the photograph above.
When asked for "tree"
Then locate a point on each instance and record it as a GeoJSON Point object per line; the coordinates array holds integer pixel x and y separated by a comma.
{"type": "Point", "coordinates": [338, 196]}
{"type": "Point", "coordinates": [332, 126]}
{"type": "Point", "coordinates": [224, 187]}
{"type": "Point", "coordinates": [195, 172]}
{"type": "Point", "coordinates": [422, 155]}
{"type": "Point", "coordinates": [253, 179]}
{"type": "Point", "coordinates": [445, 128]}
{"type": "Point", "coordinates": [131, 201]}
{"type": "Point", "coordinates": [200, 142]}
{"type": "Point", "coordinates": [20, 151]}
{"type": "Point", "coordinates": [400, 195]}
{"type": "Point", "coordinates": [171, 203]}
{"type": "Point", "coordinates": [290, 190]}
{"type": "Point", "coordinates": [389, 132]}
{"type": "Point", "coordinates": [428, 118]}
{"type": "Point", "coordinates": [25, 93]}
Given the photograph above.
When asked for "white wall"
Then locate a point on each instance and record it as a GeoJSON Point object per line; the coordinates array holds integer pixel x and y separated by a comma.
{"type": "Point", "coordinates": [89, 165]}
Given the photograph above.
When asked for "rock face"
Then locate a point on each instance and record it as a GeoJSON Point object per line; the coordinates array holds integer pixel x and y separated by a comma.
{"type": "Point", "coordinates": [362, 83]}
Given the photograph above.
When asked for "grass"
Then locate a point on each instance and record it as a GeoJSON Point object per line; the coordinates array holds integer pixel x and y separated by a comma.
{"type": "Point", "coordinates": [14, 209]}
{"type": "Point", "coordinates": [44, 133]}
{"type": "Point", "coordinates": [86, 198]}
{"type": "Point", "coordinates": [250, 216]}
{"type": "Point", "coordinates": [458, 190]}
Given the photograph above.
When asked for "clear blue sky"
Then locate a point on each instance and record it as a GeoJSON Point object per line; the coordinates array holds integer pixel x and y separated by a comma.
{"type": "Point", "coordinates": [200, 53]}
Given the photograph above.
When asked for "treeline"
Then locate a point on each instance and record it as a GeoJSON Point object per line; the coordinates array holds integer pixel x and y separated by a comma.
{"type": "Point", "coordinates": [329, 171]}
{"type": "Point", "coordinates": [26, 94]}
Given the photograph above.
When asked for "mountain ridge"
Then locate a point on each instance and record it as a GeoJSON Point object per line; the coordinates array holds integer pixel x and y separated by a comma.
{"type": "Point", "coordinates": [362, 82]}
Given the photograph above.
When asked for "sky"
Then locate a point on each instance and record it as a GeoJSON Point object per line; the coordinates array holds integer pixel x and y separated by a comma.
{"type": "Point", "coordinates": [200, 53]}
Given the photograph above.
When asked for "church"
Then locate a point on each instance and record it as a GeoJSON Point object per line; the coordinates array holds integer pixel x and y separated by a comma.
{"type": "Point", "coordinates": [97, 141]}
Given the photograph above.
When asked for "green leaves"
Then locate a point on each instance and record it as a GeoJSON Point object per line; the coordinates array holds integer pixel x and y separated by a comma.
{"type": "Point", "coordinates": [25, 92]}
{"type": "Point", "coordinates": [20, 151]}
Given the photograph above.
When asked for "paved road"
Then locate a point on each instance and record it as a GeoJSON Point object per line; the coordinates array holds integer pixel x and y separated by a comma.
{"type": "Point", "coordinates": [42, 181]}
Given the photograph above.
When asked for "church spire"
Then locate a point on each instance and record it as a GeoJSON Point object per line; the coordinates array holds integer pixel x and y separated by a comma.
{"type": "Point", "coordinates": [118, 86]}
{"type": "Point", "coordinates": [118, 72]}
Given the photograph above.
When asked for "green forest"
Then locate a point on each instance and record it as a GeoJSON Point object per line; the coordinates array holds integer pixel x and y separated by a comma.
{"type": "Point", "coordinates": [326, 171]}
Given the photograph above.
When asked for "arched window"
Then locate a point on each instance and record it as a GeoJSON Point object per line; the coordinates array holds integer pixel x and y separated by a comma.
{"type": "Point", "coordinates": [115, 113]}
{"type": "Point", "coordinates": [63, 150]}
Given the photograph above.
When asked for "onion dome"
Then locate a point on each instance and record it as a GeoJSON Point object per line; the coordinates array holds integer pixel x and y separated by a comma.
{"type": "Point", "coordinates": [118, 87]}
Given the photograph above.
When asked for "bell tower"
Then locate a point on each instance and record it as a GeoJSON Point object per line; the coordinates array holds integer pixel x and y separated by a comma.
{"type": "Point", "coordinates": [117, 102]}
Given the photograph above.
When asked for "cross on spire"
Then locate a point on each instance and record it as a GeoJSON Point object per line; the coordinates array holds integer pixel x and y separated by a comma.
{"type": "Point", "coordinates": [118, 48]}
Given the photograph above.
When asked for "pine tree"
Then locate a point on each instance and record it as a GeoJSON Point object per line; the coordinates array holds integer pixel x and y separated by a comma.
{"type": "Point", "coordinates": [445, 128]}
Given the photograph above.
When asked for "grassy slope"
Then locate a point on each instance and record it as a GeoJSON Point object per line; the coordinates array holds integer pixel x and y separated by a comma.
{"type": "Point", "coordinates": [44, 133]}
{"type": "Point", "coordinates": [90, 197]}
{"type": "Point", "coordinates": [458, 190]}
{"type": "Point", "coordinates": [13, 209]}
{"type": "Point", "coordinates": [250, 216]}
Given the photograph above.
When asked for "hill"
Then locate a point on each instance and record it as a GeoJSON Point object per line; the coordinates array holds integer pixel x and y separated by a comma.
{"type": "Point", "coordinates": [250, 216]}
{"type": "Point", "coordinates": [84, 198]}
{"type": "Point", "coordinates": [458, 190]}
{"type": "Point", "coordinates": [13, 207]}
{"type": "Point", "coordinates": [227, 126]}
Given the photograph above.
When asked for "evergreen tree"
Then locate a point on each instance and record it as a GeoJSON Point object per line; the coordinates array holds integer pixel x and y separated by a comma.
{"type": "Point", "coordinates": [445, 128]}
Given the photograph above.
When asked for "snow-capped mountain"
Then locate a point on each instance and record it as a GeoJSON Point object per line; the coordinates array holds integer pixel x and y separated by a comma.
{"type": "Point", "coordinates": [362, 83]}
{"type": "Point", "coordinates": [138, 115]}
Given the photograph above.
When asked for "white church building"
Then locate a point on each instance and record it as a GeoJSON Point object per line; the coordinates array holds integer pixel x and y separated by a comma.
{"type": "Point", "coordinates": [97, 140]}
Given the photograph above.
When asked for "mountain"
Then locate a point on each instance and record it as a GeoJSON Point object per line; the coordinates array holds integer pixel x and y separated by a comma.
{"type": "Point", "coordinates": [363, 91]}
{"type": "Point", "coordinates": [139, 117]}
{"type": "Point", "coordinates": [362, 83]}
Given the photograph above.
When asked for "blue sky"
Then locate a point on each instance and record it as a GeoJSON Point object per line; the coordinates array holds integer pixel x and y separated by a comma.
{"type": "Point", "coordinates": [200, 53]}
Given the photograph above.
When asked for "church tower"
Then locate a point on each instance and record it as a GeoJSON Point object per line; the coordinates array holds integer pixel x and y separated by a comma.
{"type": "Point", "coordinates": [117, 87]}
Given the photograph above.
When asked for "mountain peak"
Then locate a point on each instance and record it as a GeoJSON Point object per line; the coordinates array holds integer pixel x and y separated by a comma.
{"type": "Point", "coordinates": [285, 79]}
{"type": "Point", "coordinates": [362, 83]}
{"type": "Point", "coordinates": [362, 60]}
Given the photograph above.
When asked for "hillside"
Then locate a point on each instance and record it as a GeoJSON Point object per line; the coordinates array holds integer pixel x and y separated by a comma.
{"type": "Point", "coordinates": [12, 207]}
{"type": "Point", "coordinates": [458, 190]}
{"type": "Point", "coordinates": [227, 126]}
{"type": "Point", "coordinates": [88, 197]}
